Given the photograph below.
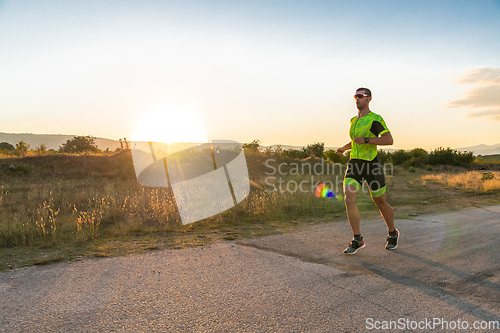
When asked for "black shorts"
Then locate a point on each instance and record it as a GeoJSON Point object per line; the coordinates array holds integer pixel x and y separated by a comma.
{"type": "Point", "coordinates": [358, 171]}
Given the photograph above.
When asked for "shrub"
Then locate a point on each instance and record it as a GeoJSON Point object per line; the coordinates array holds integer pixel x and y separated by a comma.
{"type": "Point", "coordinates": [252, 147]}
{"type": "Point", "coordinates": [22, 148]}
{"type": "Point", "coordinates": [297, 154]}
{"type": "Point", "coordinates": [331, 155]}
{"type": "Point", "coordinates": [317, 149]}
{"type": "Point", "coordinates": [277, 151]}
{"type": "Point", "coordinates": [384, 156]}
{"type": "Point", "coordinates": [400, 156]}
{"type": "Point", "coordinates": [487, 176]}
{"type": "Point", "coordinates": [417, 158]}
{"type": "Point", "coordinates": [7, 146]}
{"type": "Point", "coordinates": [80, 144]}
{"type": "Point", "coordinates": [450, 157]}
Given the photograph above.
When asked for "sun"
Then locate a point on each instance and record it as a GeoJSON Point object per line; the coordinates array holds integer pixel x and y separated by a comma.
{"type": "Point", "coordinates": [171, 124]}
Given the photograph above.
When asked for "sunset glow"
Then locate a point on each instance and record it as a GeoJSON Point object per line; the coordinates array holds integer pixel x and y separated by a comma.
{"type": "Point", "coordinates": [171, 124]}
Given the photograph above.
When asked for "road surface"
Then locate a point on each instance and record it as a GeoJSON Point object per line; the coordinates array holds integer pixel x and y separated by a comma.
{"type": "Point", "coordinates": [446, 271]}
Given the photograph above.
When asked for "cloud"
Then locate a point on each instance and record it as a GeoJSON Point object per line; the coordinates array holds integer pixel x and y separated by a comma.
{"type": "Point", "coordinates": [481, 75]}
{"type": "Point", "coordinates": [493, 114]}
{"type": "Point", "coordinates": [482, 96]}
{"type": "Point", "coordinates": [485, 94]}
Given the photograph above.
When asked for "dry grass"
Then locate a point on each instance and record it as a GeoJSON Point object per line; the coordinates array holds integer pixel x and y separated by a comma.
{"type": "Point", "coordinates": [63, 206]}
{"type": "Point", "coordinates": [473, 181]}
{"type": "Point", "coordinates": [56, 199]}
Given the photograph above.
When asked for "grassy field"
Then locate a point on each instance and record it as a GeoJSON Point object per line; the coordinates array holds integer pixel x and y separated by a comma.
{"type": "Point", "coordinates": [64, 207]}
{"type": "Point", "coordinates": [488, 158]}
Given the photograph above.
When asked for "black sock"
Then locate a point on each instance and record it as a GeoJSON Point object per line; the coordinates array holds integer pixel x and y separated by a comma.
{"type": "Point", "coordinates": [392, 233]}
{"type": "Point", "coordinates": [358, 237]}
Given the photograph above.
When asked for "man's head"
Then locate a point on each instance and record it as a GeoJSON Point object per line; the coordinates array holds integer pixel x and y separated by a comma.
{"type": "Point", "coordinates": [363, 96]}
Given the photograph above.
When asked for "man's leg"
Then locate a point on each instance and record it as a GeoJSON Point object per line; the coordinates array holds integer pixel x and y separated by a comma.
{"type": "Point", "coordinates": [350, 194]}
{"type": "Point", "coordinates": [388, 215]}
{"type": "Point", "coordinates": [385, 210]}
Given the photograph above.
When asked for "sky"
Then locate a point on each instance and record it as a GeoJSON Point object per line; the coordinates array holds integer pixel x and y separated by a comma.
{"type": "Point", "coordinates": [282, 72]}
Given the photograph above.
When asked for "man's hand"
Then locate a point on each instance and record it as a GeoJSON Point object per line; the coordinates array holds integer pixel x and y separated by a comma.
{"type": "Point", "coordinates": [339, 151]}
{"type": "Point", "coordinates": [359, 141]}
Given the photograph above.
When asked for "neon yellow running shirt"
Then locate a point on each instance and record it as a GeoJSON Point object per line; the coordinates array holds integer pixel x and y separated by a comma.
{"type": "Point", "coordinates": [370, 125]}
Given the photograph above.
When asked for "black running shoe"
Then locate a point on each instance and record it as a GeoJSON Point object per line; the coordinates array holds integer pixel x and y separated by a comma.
{"type": "Point", "coordinates": [355, 246]}
{"type": "Point", "coordinates": [392, 241]}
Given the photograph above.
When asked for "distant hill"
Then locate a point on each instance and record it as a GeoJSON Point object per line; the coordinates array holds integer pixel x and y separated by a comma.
{"type": "Point", "coordinates": [52, 141]}
{"type": "Point", "coordinates": [482, 149]}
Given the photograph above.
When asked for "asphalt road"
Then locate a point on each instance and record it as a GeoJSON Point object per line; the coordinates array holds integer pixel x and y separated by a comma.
{"type": "Point", "coordinates": [446, 271]}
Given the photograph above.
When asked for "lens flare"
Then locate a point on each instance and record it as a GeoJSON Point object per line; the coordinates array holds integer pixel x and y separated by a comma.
{"type": "Point", "coordinates": [322, 191]}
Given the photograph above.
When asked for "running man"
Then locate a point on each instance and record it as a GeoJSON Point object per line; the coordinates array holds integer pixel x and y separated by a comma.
{"type": "Point", "coordinates": [368, 130]}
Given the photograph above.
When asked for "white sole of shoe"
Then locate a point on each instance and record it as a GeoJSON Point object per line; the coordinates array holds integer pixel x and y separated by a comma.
{"type": "Point", "coordinates": [359, 248]}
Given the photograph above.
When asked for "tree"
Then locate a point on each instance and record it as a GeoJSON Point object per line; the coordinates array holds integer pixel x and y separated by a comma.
{"type": "Point", "coordinates": [316, 149]}
{"type": "Point", "coordinates": [252, 147]}
{"type": "Point", "coordinates": [80, 144]}
{"type": "Point", "coordinates": [22, 148]}
{"type": "Point", "coordinates": [7, 146]}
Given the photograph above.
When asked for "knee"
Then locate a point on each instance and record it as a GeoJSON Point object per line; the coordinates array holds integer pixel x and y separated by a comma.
{"type": "Point", "coordinates": [380, 202]}
{"type": "Point", "coordinates": [350, 200]}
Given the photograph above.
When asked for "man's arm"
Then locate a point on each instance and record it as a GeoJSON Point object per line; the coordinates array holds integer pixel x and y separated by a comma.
{"type": "Point", "coordinates": [341, 150]}
{"type": "Point", "coordinates": [383, 140]}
